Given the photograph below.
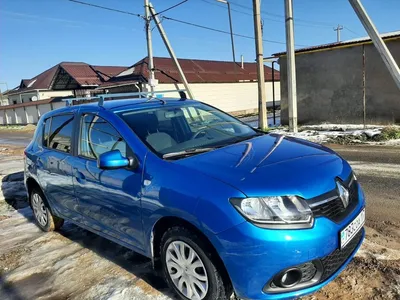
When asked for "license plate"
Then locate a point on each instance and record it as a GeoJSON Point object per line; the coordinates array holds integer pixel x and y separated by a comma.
{"type": "Point", "coordinates": [351, 230]}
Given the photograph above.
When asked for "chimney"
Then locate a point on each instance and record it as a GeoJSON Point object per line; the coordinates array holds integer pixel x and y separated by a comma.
{"type": "Point", "coordinates": [242, 61]}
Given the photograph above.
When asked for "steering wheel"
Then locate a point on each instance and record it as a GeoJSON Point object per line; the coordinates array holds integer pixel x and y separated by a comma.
{"type": "Point", "coordinates": [197, 134]}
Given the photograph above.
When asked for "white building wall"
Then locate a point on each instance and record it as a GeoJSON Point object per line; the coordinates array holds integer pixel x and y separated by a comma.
{"type": "Point", "coordinates": [44, 108]}
{"type": "Point", "coordinates": [31, 114]}
{"type": "Point", "coordinates": [49, 94]}
{"type": "Point", "coordinates": [230, 97]}
{"type": "Point", "coordinates": [10, 116]}
{"type": "Point", "coordinates": [20, 117]}
{"type": "Point", "coordinates": [57, 105]}
{"type": "Point", "coordinates": [2, 117]}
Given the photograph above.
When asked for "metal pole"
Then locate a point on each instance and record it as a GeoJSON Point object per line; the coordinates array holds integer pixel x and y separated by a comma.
{"type": "Point", "coordinates": [151, 79]}
{"type": "Point", "coordinates": [273, 91]}
{"type": "Point", "coordinates": [231, 29]}
{"type": "Point", "coordinates": [364, 93]}
{"type": "Point", "coordinates": [262, 107]}
{"type": "Point", "coordinates": [338, 29]}
{"type": "Point", "coordinates": [291, 66]}
{"type": "Point", "coordinates": [377, 40]}
{"type": "Point", "coordinates": [170, 50]}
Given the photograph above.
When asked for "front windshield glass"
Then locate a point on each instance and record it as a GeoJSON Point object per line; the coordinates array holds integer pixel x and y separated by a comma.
{"type": "Point", "coordinates": [187, 127]}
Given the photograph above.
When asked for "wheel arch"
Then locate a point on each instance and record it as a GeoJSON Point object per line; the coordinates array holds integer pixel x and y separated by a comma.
{"type": "Point", "coordinates": [163, 224]}
{"type": "Point", "coordinates": [31, 184]}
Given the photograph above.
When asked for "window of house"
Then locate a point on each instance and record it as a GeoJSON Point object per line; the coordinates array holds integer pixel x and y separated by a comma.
{"type": "Point", "coordinates": [98, 137]}
{"type": "Point", "coordinates": [60, 135]}
{"type": "Point", "coordinates": [14, 101]}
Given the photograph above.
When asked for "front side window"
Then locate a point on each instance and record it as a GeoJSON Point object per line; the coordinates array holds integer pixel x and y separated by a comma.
{"type": "Point", "coordinates": [98, 137]}
{"type": "Point", "coordinates": [187, 127]}
{"type": "Point", "coordinates": [60, 135]}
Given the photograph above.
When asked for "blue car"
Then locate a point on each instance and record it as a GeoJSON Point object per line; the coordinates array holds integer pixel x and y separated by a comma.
{"type": "Point", "coordinates": [218, 206]}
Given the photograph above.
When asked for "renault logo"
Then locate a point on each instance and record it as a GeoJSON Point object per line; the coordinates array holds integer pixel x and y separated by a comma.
{"type": "Point", "coordinates": [343, 194]}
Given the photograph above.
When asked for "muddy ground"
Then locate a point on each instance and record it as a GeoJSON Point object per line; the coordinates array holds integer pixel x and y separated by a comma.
{"type": "Point", "coordinates": [76, 264]}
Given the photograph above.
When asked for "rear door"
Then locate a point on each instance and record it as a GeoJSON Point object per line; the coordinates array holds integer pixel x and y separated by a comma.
{"type": "Point", "coordinates": [109, 200]}
{"type": "Point", "coordinates": [54, 164]}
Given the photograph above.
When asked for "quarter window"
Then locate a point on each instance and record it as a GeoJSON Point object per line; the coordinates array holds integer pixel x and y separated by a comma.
{"type": "Point", "coordinates": [98, 137]}
{"type": "Point", "coordinates": [46, 132]}
{"type": "Point", "coordinates": [61, 133]}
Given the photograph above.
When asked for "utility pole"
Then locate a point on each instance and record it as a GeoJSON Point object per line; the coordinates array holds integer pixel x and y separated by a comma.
{"type": "Point", "coordinates": [291, 66]}
{"type": "Point", "coordinates": [151, 79]}
{"type": "Point", "coordinates": [231, 30]}
{"type": "Point", "coordinates": [338, 29]}
{"type": "Point", "coordinates": [377, 40]}
{"type": "Point", "coordinates": [170, 50]}
{"type": "Point", "coordinates": [262, 107]}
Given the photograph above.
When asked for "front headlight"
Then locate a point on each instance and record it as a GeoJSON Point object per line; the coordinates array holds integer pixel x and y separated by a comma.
{"type": "Point", "coordinates": [275, 212]}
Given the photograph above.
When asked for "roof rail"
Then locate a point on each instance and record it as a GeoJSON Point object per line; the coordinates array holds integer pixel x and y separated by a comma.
{"type": "Point", "coordinates": [101, 98]}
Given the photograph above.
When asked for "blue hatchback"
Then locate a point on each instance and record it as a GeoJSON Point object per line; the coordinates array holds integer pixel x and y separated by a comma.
{"type": "Point", "coordinates": [219, 206]}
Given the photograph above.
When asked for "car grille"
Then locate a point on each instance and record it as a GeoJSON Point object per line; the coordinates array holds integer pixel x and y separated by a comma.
{"type": "Point", "coordinates": [336, 259]}
{"type": "Point", "coordinates": [334, 209]}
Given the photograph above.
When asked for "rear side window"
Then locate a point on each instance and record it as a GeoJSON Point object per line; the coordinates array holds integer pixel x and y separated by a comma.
{"type": "Point", "coordinates": [98, 137]}
{"type": "Point", "coordinates": [47, 124]}
{"type": "Point", "coordinates": [60, 135]}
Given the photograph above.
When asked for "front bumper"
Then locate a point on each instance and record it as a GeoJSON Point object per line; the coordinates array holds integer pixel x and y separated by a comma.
{"type": "Point", "coordinates": [253, 255]}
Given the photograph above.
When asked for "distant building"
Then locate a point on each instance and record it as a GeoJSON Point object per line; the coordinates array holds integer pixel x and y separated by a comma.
{"type": "Point", "coordinates": [330, 83]}
{"type": "Point", "coordinates": [44, 92]}
{"type": "Point", "coordinates": [64, 79]}
{"type": "Point", "coordinates": [219, 83]}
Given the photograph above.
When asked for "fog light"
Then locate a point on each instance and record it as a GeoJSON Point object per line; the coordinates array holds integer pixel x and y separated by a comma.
{"type": "Point", "coordinates": [288, 278]}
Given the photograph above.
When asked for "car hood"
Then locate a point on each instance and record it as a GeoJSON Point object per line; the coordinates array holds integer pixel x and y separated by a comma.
{"type": "Point", "coordinates": [273, 165]}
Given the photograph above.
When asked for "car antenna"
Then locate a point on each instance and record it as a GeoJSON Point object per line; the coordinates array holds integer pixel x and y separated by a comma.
{"type": "Point", "coordinates": [183, 96]}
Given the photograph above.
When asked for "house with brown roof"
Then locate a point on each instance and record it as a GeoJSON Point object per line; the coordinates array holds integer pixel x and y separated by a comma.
{"type": "Point", "coordinates": [230, 87]}
{"type": "Point", "coordinates": [227, 86]}
{"type": "Point", "coordinates": [64, 79]}
{"type": "Point", "coordinates": [44, 92]}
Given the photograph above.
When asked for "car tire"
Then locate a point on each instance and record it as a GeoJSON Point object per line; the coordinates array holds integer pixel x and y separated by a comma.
{"type": "Point", "coordinates": [197, 268]}
{"type": "Point", "coordinates": [42, 214]}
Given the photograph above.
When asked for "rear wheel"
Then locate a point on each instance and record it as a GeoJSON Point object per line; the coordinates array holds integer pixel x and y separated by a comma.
{"type": "Point", "coordinates": [189, 267]}
{"type": "Point", "coordinates": [43, 216]}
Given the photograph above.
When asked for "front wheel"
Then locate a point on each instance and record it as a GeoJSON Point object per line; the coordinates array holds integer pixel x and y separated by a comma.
{"type": "Point", "coordinates": [189, 267]}
{"type": "Point", "coordinates": [43, 216]}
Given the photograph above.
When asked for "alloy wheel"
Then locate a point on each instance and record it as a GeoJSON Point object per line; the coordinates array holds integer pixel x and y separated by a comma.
{"type": "Point", "coordinates": [39, 209]}
{"type": "Point", "coordinates": [187, 270]}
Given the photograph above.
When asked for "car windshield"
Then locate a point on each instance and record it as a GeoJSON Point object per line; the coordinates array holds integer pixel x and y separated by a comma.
{"type": "Point", "coordinates": [186, 129]}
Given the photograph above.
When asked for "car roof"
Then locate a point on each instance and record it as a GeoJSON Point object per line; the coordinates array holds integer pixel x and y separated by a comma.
{"type": "Point", "coordinates": [122, 105]}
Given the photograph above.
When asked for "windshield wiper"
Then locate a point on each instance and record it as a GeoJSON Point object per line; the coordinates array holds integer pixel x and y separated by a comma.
{"type": "Point", "coordinates": [186, 152]}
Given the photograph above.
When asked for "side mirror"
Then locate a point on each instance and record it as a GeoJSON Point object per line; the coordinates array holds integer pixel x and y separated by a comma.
{"type": "Point", "coordinates": [112, 160]}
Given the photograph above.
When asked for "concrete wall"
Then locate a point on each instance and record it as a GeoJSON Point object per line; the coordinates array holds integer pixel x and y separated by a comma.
{"type": "Point", "coordinates": [20, 116]}
{"type": "Point", "coordinates": [329, 86]}
{"type": "Point", "coordinates": [230, 97]}
{"type": "Point", "coordinates": [31, 114]}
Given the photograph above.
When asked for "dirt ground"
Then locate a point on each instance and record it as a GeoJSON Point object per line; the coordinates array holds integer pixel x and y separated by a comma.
{"type": "Point", "coordinates": [76, 264]}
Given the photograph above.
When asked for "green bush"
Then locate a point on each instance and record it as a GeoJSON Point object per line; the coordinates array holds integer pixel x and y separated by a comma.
{"type": "Point", "coordinates": [389, 133]}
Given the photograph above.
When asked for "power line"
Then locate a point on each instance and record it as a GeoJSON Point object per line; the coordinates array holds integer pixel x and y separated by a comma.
{"type": "Point", "coordinates": [355, 33]}
{"type": "Point", "coordinates": [106, 8]}
{"type": "Point", "coordinates": [178, 21]}
{"type": "Point", "coordinates": [223, 31]}
{"type": "Point", "coordinates": [167, 9]}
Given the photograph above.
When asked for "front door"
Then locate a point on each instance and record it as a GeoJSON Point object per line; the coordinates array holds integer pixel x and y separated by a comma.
{"type": "Point", "coordinates": [109, 200]}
